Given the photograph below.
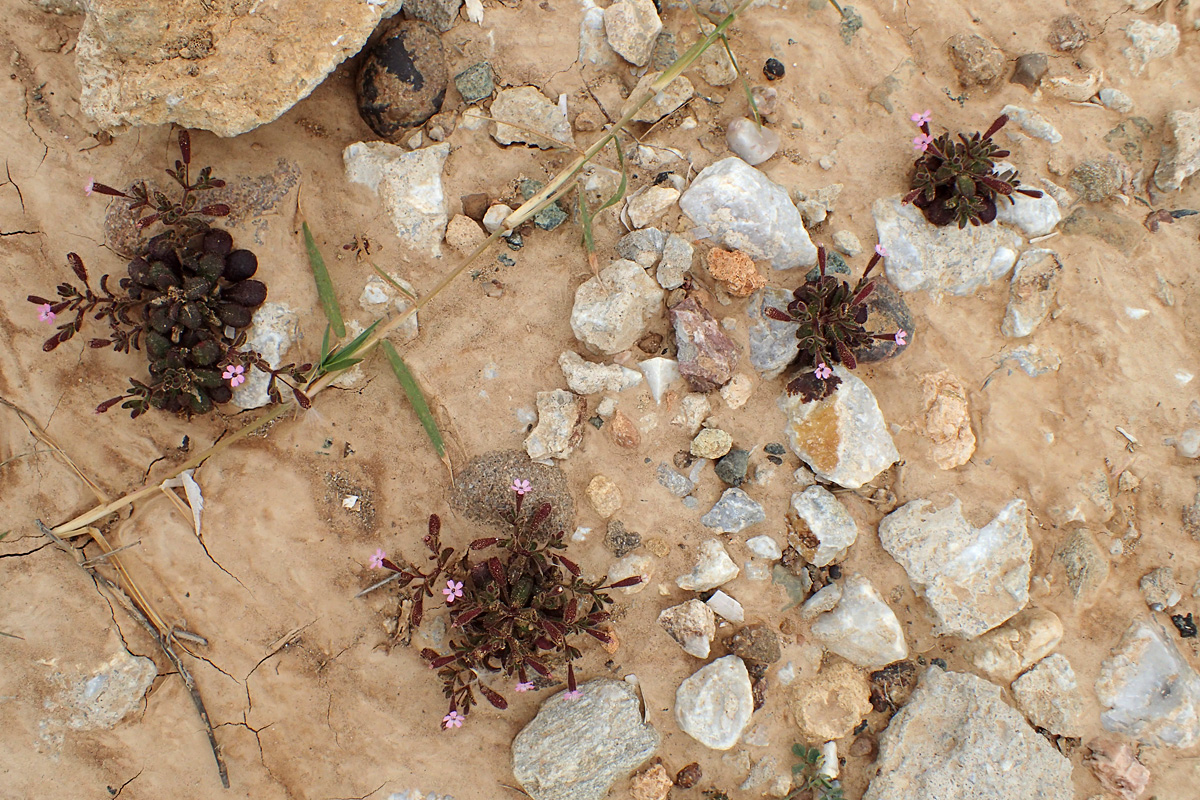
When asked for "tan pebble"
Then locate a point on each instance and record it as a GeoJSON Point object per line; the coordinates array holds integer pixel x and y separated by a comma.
{"type": "Point", "coordinates": [736, 271]}
{"type": "Point", "coordinates": [604, 496]}
{"type": "Point", "coordinates": [614, 642]}
{"type": "Point", "coordinates": [624, 432]}
{"type": "Point", "coordinates": [657, 546]}
{"type": "Point", "coordinates": [464, 234]}
{"type": "Point", "coordinates": [711, 443]}
{"type": "Point", "coordinates": [653, 784]}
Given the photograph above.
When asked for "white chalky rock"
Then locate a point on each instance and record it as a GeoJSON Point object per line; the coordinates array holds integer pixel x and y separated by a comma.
{"type": "Point", "coordinates": [750, 142]}
{"type": "Point", "coordinates": [1033, 216]}
{"type": "Point", "coordinates": [1004, 652]}
{"type": "Point", "coordinates": [535, 114]}
{"type": "Point", "coordinates": [737, 391]}
{"type": "Point", "coordinates": [1033, 123]}
{"type": "Point", "coordinates": [924, 257]}
{"type": "Point", "coordinates": [645, 207]}
{"type": "Point", "coordinates": [824, 599]}
{"type": "Point", "coordinates": [743, 209]}
{"type": "Point", "coordinates": [973, 578]}
{"type": "Point", "coordinates": [673, 95]}
{"type": "Point", "coordinates": [692, 624]}
{"type": "Point", "coordinates": [584, 377]}
{"type": "Point", "coordinates": [843, 437]}
{"type": "Point", "coordinates": [714, 704]}
{"type": "Point", "coordinates": [675, 263]}
{"type": "Point", "coordinates": [726, 607]}
{"type": "Point", "coordinates": [272, 330]}
{"type": "Point", "coordinates": [765, 547]}
{"type": "Point", "coordinates": [1181, 150]}
{"type": "Point", "coordinates": [1048, 696]}
{"type": "Point", "coordinates": [632, 26]}
{"type": "Point", "coordinates": [410, 185]}
{"type": "Point", "coordinates": [1149, 689]}
{"type": "Point", "coordinates": [493, 218]}
{"type": "Point", "coordinates": [612, 310]}
{"type": "Point", "coordinates": [713, 568]}
{"type": "Point", "coordinates": [560, 425]}
{"type": "Point", "coordinates": [862, 628]}
{"type": "Point", "coordinates": [817, 513]}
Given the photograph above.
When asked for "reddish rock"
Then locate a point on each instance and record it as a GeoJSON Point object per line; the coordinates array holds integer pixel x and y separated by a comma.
{"type": "Point", "coordinates": [1117, 768]}
{"type": "Point", "coordinates": [707, 356]}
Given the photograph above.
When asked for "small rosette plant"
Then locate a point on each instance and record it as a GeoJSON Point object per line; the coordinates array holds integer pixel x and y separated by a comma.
{"type": "Point", "coordinates": [831, 316]}
{"type": "Point", "coordinates": [956, 181]}
{"type": "Point", "coordinates": [514, 613]}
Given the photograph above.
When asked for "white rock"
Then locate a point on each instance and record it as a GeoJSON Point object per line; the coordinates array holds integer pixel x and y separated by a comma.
{"type": "Point", "coordinates": [410, 185]}
{"type": "Point", "coordinates": [924, 257]}
{"type": "Point", "coordinates": [1033, 216]}
{"type": "Point", "coordinates": [737, 391]}
{"type": "Point", "coordinates": [660, 373]}
{"type": "Point", "coordinates": [773, 342]}
{"type": "Point", "coordinates": [1116, 100]}
{"type": "Point", "coordinates": [692, 624]}
{"type": "Point", "coordinates": [675, 263]}
{"type": "Point", "coordinates": [714, 704]}
{"type": "Point", "coordinates": [847, 243]}
{"type": "Point", "coordinates": [1003, 653]}
{"type": "Point", "coordinates": [560, 425]}
{"type": "Point", "coordinates": [674, 95]}
{"type": "Point", "coordinates": [956, 739]}
{"type": "Point", "coordinates": [273, 328]}
{"type": "Point", "coordinates": [750, 142]}
{"type": "Point", "coordinates": [1033, 123]}
{"type": "Point", "coordinates": [594, 49]}
{"type": "Point", "coordinates": [973, 578]}
{"type": "Point", "coordinates": [380, 297]}
{"type": "Point", "coordinates": [632, 26]}
{"type": "Point", "coordinates": [1048, 696]}
{"type": "Point", "coordinates": [733, 512]}
{"type": "Point", "coordinates": [1149, 42]}
{"type": "Point", "coordinates": [693, 410]}
{"type": "Point", "coordinates": [493, 218]}
{"type": "Point", "coordinates": [1031, 293]}
{"type": "Point", "coordinates": [764, 546]}
{"type": "Point", "coordinates": [726, 607]}
{"type": "Point", "coordinates": [629, 566]}
{"type": "Point", "coordinates": [824, 599]}
{"type": "Point", "coordinates": [533, 111]}
{"type": "Point", "coordinates": [820, 512]}
{"type": "Point", "coordinates": [843, 438]}
{"type": "Point", "coordinates": [743, 209]}
{"type": "Point", "coordinates": [862, 628]}
{"type": "Point", "coordinates": [1149, 689]}
{"type": "Point", "coordinates": [713, 568]}
{"type": "Point", "coordinates": [584, 377]}
{"type": "Point", "coordinates": [1181, 150]}
{"type": "Point", "coordinates": [650, 203]}
{"type": "Point", "coordinates": [612, 310]}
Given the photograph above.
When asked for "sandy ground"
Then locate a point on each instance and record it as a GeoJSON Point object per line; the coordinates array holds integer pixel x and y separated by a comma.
{"type": "Point", "coordinates": [305, 700]}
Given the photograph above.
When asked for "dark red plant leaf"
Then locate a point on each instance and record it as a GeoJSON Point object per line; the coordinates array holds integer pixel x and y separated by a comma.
{"type": "Point", "coordinates": [185, 146]}
{"type": "Point", "coordinates": [429, 654]}
{"type": "Point", "coordinates": [571, 610]}
{"type": "Point", "coordinates": [418, 612]}
{"type": "Point", "coordinates": [435, 527]}
{"type": "Point", "coordinates": [863, 293]}
{"type": "Point", "coordinates": [497, 571]}
{"type": "Point", "coordinates": [301, 398]}
{"type": "Point", "coordinates": [77, 265]}
{"type": "Point", "coordinates": [106, 189]}
{"type": "Point", "coordinates": [571, 678]}
{"type": "Point", "coordinates": [537, 665]}
{"type": "Point", "coordinates": [466, 616]}
{"type": "Point", "coordinates": [96, 344]}
{"type": "Point", "coordinates": [776, 314]}
{"type": "Point", "coordinates": [480, 544]}
{"type": "Point", "coordinates": [571, 566]}
{"type": "Point", "coordinates": [821, 259]}
{"type": "Point", "coordinates": [442, 661]}
{"type": "Point", "coordinates": [495, 698]}
{"type": "Point", "coordinates": [601, 635]}
{"type": "Point", "coordinates": [41, 301]}
{"type": "Point", "coordinates": [146, 222]}
{"type": "Point", "coordinates": [216, 210]}
{"type": "Point", "coordinates": [997, 125]}
{"type": "Point", "coordinates": [542, 643]}
{"type": "Point", "coordinates": [625, 583]}
{"type": "Point", "coordinates": [845, 356]}
{"type": "Point", "coordinates": [107, 404]}
{"type": "Point", "coordinates": [1030, 192]}
{"type": "Point", "coordinates": [913, 195]}
{"type": "Point", "coordinates": [389, 565]}
{"type": "Point", "coordinates": [54, 341]}
{"type": "Point", "coordinates": [540, 515]}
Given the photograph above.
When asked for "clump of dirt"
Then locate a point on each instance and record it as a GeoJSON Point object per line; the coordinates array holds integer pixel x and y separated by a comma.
{"type": "Point", "coordinates": [483, 490]}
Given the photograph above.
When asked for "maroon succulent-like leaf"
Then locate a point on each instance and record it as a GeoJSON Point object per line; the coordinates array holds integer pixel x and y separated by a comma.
{"type": "Point", "coordinates": [481, 544]}
{"type": "Point", "coordinates": [185, 146]}
{"type": "Point", "coordinates": [466, 616]}
{"type": "Point", "coordinates": [387, 564]}
{"type": "Point", "coordinates": [776, 314]}
{"type": "Point", "coordinates": [301, 398]}
{"type": "Point", "coordinates": [571, 685]}
{"type": "Point", "coordinates": [418, 611]}
{"type": "Point", "coordinates": [106, 189]}
{"type": "Point", "coordinates": [600, 635]}
{"type": "Point", "coordinates": [540, 515]}
{"type": "Point", "coordinates": [442, 661]}
{"type": "Point", "coordinates": [216, 210]}
{"type": "Point", "coordinates": [495, 698]}
{"type": "Point", "coordinates": [538, 666]}
{"type": "Point", "coordinates": [497, 571]}
{"type": "Point", "coordinates": [625, 583]}
{"type": "Point", "coordinates": [996, 126]}
{"type": "Point", "coordinates": [845, 356]}
{"type": "Point", "coordinates": [571, 566]}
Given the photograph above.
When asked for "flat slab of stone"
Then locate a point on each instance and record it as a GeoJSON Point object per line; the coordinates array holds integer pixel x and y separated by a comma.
{"type": "Point", "coordinates": [575, 749]}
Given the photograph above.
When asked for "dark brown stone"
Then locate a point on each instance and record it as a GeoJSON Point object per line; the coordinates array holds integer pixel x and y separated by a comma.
{"type": "Point", "coordinates": [402, 80]}
{"type": "Point", "coordinates": [1030, 70]}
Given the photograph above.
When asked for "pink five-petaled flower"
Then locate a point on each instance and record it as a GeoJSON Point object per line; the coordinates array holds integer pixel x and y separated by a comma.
{"type": "Point", "coordinates": [377, 559]}
{"type": "Point", "coordinates": [822, 371]}
{"type": "Point", "coordinates": [574, 694]}
{"type": "Point", "coordinates": [89, 187]}
{"type": "Point", "coordinates": [923, 117]}
{"type": "Point", "coordinates": [922, 142]}
{"type": "Point", "coordinates": [45, 313]}
{"type": "Point", "coordinates": [520, 486]}
{"type": "Point", "coordinates": [233, 374]}
{"type": "Point", "coordinates": [453, 720]}
{"type": "Point", "coordinates": [900, 336]}
{"type": "Point", "coordinates": [453, 589]}
{"type": "Point", "coordinates": [524, 686]}
{"type": "Point", "coordinates": [881, 250]}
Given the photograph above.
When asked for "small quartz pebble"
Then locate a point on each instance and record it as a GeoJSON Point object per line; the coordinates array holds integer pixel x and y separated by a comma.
{"type": "Point", "coordinates": [1160, 589]}
{"type": "Point", "coordinates": [826, 599]}
{"type": "Point", "coordinates": [765, 547]}
{"type": "Point", "coordinates": [726, 607]}
{"type": "Point", "coordinates": [711, 443]}
{"type": "Point", "coordinates": [750, 142]}
{"type": "Point", "coordinates": [660, 373]}
{"type": "Point", "coordinates": [737, 391]}
{"type": "Point", "coordinates": [493, 218]}
{"type": "Point", "coordinates": [713, 568]}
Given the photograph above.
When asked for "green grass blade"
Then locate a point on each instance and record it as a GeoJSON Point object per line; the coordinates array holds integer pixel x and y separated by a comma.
{"type": "Point", "coordinates": [325, 346]}
{"type": "Point", "coordinates": [416, 397]}
{"type": "Point", "coordinates": [587, 215]}
{"type": "Point", "coordinates": [324, 285]}
{"type": "Point", "coordinates": [391, 281]}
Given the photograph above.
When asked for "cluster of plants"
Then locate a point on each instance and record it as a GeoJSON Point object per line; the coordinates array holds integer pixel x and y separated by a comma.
{"type": "Point", "coordinates": [955, 181]}
{"type": "Point", "coordinates": [513, 614]}
{"type": "Point", "coordinates": [187, 299]}
{"type": "Point", "coordinates": [832, 316]}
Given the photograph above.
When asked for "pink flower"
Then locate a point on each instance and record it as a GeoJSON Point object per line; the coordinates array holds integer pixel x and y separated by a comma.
{"type": "Point", "coordinates": [524, 686]}
{"type": "Point", "coordinates": [89, 187]}
{"type": "Point", "coordinates": [234, 374]}
{"type": "Point", "coordinates": [377, 559]}
{"type": "Point", "coordinates": [45, 314]}
{"type": "Point", "coordinates": [822, 371]}
{"type": "Point", "coordinates": [922, 142]}
{"type": "Point", "coordinates": [922, 118]}
{"type": "Point", "coordinates": [900, 336]}
{"type": "Point", "coordinates": [453, 589]}
{"type": "Point", "coordinates": [453, 720]}
{"type": "Point", "coordinates": [520, 486]}
{"type": "Point", "coordinates": [574, 694]}
{"type": "Point", "coordinates": [881, 250]}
